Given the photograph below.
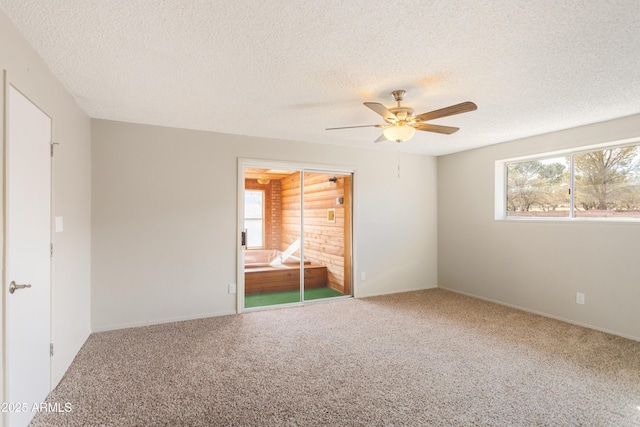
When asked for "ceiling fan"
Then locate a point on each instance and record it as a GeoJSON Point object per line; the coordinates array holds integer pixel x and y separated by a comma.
{"type": "Point", "coordinates": [401, 124]}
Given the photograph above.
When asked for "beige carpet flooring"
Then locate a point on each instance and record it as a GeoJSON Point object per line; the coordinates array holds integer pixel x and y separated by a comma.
{"type": "Point", "coordinates": [426, 358]}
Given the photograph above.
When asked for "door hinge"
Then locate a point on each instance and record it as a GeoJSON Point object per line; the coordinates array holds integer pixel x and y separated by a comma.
{"type": "Point", "coordinates": [52, 145]}
{"type": "Point", "coordinates": [51, 250]}
{"type": "Point", "coordinates": [51, 350]}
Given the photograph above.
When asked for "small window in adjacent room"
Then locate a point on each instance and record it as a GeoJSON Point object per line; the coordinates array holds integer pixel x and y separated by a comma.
{"type": "Point", "coordinates": [254, 218]}
{"type": "Point", "coordinates": [598, 183]}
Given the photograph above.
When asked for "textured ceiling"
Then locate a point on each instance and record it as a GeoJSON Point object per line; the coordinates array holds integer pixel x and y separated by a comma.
{"type": "Point", "coordinates": [289, 69]}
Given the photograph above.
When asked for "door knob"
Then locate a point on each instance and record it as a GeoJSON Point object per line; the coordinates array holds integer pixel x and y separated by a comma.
{"type": "Point", "coordinates": [13, 287]}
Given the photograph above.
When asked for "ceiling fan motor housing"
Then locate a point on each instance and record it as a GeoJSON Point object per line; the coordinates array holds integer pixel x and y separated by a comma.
{"type": "Point", "coordinates": [402, 113]}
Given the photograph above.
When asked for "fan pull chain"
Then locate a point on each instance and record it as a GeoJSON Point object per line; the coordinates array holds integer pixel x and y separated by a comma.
{"type": "Point", "coordinates": [398, 160]}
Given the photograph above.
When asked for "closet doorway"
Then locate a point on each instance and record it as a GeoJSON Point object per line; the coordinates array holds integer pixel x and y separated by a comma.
{"type": "Point", "coordinates": [295, 234]}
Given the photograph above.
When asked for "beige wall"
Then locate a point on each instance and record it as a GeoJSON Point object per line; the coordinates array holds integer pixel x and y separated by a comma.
{"type": "Point", "coordinates": [538, 266]}
{"type": "Point", "coordinates": [165, 219]}
{"type": "Point", "coordinates": [71, 192]}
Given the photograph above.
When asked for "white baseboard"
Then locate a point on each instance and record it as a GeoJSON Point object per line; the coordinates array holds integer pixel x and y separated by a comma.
{"type": "Point", "coordinates": [541, 313]}
{"type": "Point", "coordinates": [392, 291]}
{"type": "Point", "coordinates": [160, 321]}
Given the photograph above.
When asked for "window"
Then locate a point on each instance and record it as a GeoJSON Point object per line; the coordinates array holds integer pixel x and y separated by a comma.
{"type": "Point", "coordinates": [607, 183]}
{"type": "Point", "coordinates": [539, 188]}
{"type": "Point", "coordinates": [602, 183]}
{"type": "Point", "coordinates": [254, 218]}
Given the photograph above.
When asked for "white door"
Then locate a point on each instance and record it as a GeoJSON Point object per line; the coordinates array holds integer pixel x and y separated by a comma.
{"type": "Point", "coordinates": [28, 175]}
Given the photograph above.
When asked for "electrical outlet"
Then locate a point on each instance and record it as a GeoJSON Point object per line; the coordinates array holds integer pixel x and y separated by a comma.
{"type": "Point", "coordinates": [579, 298]}
{"type": "Point", "coordinates": [363, 276]}
{"type": "Point", "coordinates": [232, 288]}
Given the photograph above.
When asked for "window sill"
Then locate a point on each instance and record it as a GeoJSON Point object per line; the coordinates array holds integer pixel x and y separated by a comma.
{"type": "Point", "coordinates": [576, 220]}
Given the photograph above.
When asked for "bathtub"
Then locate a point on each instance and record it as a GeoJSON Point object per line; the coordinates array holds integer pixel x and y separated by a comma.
{"type": "Point", "coordinates": [260, 257]}
{"type": "Point", "coordinates": [264, 272]}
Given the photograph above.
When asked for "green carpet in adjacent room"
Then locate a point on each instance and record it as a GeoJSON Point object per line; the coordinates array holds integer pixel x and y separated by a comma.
{"type": "Point", "coordinates": [286, 297]}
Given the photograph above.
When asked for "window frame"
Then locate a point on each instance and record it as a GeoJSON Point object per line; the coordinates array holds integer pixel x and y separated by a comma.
{"type": "Point", "coordinates": [501, 182]}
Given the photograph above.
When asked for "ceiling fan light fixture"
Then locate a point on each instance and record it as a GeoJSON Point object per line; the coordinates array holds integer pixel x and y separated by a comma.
{"type": "Point", "coordinates": [399, 133]}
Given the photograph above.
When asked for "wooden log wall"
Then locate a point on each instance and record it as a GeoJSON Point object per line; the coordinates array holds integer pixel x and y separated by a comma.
{"type": "Point", "coordinates": [272, 210]}
{"type": "Point", "coordinates": [290, 203]}
{"type": "Point", "coordinates": [325, 241]}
